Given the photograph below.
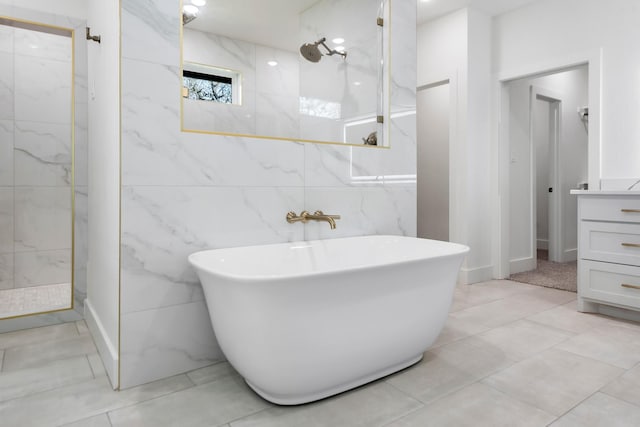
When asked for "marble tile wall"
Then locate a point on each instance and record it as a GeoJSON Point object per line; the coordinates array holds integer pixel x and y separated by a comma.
{"type": "Point", "coordinates": [351, 83]}
{"type": "Point", "coordinates": [35, 159]}
{"type": "Point", "coordinates": [269, 101]}
{"type": "Point", "coordinates": [183, 192]}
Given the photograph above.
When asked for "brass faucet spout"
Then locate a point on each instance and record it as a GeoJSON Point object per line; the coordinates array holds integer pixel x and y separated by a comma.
{"type": "Point", "coordinates": [316, 216]}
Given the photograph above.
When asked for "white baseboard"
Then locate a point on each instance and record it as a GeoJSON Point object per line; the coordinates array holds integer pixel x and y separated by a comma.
{"type": "Point", "coordinates": [522, 264]}
{"type": "Point", "coordinates": [475, 275]}
{"type": "Point", "coordinates": [107, 350]}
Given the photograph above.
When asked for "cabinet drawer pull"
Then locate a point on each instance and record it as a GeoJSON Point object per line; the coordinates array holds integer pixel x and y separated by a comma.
{"type": "Point", "coordinates": [630, 210]}
{"type": "Point", "coordinates": [631, 245]}
{"type": "Point", "coordinates": [624, 285]}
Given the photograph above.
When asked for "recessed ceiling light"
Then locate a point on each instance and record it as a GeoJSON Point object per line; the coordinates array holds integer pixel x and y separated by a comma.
{"type": "Point", "coordinates": [198, 2]}
{"type": "Point", "coordinates": [340, 48]}
{"type": "Point", "coordinates": [272, 63]}
{"type": "Point", "coordinates": [190, 9]}
{"type": "Point", "coordinates": [338, 40]}
{"type": "Point", "coordinates": [357, 83]}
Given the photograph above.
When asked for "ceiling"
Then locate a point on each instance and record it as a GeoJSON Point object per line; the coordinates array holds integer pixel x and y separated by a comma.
{"type": "Point", "coordinates": [275, 22]}
{"type": "Point", "coordinates": [435, 8]}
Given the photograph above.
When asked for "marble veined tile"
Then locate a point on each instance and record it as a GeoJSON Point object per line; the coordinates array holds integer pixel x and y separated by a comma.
{"type": "Point", "coordinates": [42, 45]}
{"type": "Point", "coordinates": [211, 373]}
{"type": "Point", "coordinates": [476, 405]}
{"type": "Point", "coordinates": [101, 420]}
{"type": "Point", "coordinates": [42, 155]}
{"type": "Point", "coordinates": [222, 118]}
{"type": "Point", "coordinates": [372, 405]}
{"type": "Point", "coordinates": [151, 31]}
{"type": "Point", "coordinates": [7, 86]}
{"type": "Point", "coordinates": [6, 271]}
{"type": "Point", "coordinates": [6, 39]}
{"type": "Point", "coordinates": [601, 410]}
{"type": "Point", "coordinates": [42, 90]}
{"type": "Point", "coordinates": [42, 268]}
{"type": "Point", "coordinates": [166, 341]}
{"type": "Point", "coordinates": [82, 400]}
{"type": "Point", "coordinates": [212, 403]}
{"type": "Point", "coordinates": [14, 384]}
{"type": "Point", "coordinates": [38, 354]}
{"type": "Point", "coordinates": [364, 210]}
{"type": "Point", "coordinates": [38, 335]}
{"type": "Point", "coordinates": [163, 225]}
{"type": "Point", "coordinates": [6, 149]}
{"type": "Point", "coordinates": [277, 115]}
{"type": "Point", "coordinates": [554, 381]}
{"type": "Point", "coordinates": [223, 52]}
{"type": "Point", "coordinates": [281, 79]}
{"type": "Point", "coordinates": [449, 368]}
{"type": "Point", "coordinates": [43, 218]}
{"type": "Point", "coordinates": [6, 219]}
{"type": "Point", "coordinates": [610, 343]}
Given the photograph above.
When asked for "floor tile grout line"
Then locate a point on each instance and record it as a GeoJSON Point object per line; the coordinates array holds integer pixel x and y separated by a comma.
{"type": "Point", "coordinates": [139, 402]}
{"type": "Point", "coordinates": [91, 367]}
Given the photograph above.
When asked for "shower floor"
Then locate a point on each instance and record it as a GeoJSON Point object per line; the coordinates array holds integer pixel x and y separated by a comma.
{"type": "Point", "coordinates": [36, 299]}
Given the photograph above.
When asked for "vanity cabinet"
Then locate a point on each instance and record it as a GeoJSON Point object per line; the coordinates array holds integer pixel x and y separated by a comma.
{"type": "Point", "coordinates": [608, 249]}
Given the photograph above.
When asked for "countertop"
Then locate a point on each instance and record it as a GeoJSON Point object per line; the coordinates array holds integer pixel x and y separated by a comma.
{"type": "Point", "coordinates": [605, 192]}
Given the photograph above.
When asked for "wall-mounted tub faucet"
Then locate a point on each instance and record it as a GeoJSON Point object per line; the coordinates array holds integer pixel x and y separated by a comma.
{"type": "Point", "coordinates": [316, 216]}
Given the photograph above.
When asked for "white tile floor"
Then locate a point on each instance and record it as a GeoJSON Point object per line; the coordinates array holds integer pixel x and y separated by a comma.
{"type": "Point", "coordinates": [510, 355]}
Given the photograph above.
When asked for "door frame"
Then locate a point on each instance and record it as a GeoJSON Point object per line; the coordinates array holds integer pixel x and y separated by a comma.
{"type": "Point", "coordinates": [555, 201]}
{"type": "Point", "coordinates": [500, 137]}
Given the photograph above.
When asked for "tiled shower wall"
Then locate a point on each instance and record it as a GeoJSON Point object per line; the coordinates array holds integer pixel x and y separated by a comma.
{"type": "Point", "coordinates": [184, 192]}
{"type": "Point", "coordinates": [269, 94]}
{"type": "Point", "coordinates": [36, 127]}
{"type": "Point", "coordinates": [35, 160]}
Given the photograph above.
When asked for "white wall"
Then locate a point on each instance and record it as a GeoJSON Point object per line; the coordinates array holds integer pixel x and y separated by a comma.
{"type": "Point", "coordinates": [72, 8]}
{"type": "Point", "coordinates": [572, 88]}
{"type": "Point", "coordinates": [458, 47]}
{"type": "Point", "coordinates": [550, 32]}
{"type": "Point", "coordinates": [104, 183]}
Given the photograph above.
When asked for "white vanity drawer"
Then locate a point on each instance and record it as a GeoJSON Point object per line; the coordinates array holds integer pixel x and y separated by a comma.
{"type": "Point", "coordinates": [614, 283]}
{"type": "Point", "coordinates": [610, 208]}
{"type": "Point", "coordinates": [610, 242]}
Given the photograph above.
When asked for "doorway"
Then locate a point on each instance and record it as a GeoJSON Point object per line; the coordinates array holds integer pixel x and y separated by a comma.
{"type": "Point", "coordinates": [548, 149]}
{"type": "Point", "coordinates": [433, 110]}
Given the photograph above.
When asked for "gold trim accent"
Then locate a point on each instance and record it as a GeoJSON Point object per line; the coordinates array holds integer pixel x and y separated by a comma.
{"type": "Point", "coordinates": [630, 210]}
{"type": "Point", "coordinates": [36, 313]}
{"type": "Point", "coordinates": [631, 245]}
{"type": "Point", "coordinates": [118, 386]}
{"type": "Point", "coordinates": [26, 24]}
{"type": "Point", "coordinates": [625, 285]}
{"type": "Point", "coordinates": [387, 77]}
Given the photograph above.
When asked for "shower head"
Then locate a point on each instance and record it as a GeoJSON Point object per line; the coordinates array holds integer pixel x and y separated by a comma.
{"type": "Point", "coordinates": [311, 51]}
{"type": "Point", "coordinates": [189, 13]}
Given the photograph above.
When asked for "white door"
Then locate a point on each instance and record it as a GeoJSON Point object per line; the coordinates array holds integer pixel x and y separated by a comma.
{"type": "Point", "coordinates": [433, 103]}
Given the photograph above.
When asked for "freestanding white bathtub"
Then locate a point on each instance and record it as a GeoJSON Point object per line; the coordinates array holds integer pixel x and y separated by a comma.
{"type": "Point", "coordinates": [306, 320]}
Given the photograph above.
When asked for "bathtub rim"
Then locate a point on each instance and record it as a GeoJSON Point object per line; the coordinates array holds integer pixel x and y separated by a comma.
{"type": "Point", "coordinates": [461, 250]}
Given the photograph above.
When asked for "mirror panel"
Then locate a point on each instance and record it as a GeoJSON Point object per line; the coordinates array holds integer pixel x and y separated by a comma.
{"type": "Point", "coordinates": [311, 71]}
{"type": "Point", "coordinates": [36, 168]}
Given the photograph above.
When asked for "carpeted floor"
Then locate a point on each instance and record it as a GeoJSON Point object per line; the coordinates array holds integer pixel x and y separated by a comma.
{"type": "Point", "coordinates": [550, 274]}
